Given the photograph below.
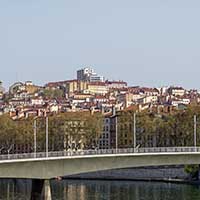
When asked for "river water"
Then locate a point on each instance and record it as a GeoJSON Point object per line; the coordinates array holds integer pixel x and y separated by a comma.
{"type": "Point", "coordinates": [103, 190]}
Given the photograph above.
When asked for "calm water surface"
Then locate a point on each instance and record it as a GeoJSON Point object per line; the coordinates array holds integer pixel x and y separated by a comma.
{"type": "Point", "coordinates": [103, 190]}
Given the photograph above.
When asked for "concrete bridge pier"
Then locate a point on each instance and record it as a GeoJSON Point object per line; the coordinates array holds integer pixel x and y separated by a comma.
{"type": "Point", "coordinates": [41, 190]}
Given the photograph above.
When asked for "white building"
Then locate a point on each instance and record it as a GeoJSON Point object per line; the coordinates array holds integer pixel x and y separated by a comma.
{"type": "Point", "coordinates": [84, 74]}
{"type": "Point", "coordinates": [183, 101]}
{"type": "Point", "coordinates": [148, 99]}
{"type": "Point", "coordinates": [88, 74]}
{"type": "Point", "coordinates": [28, 83]}
{"type": "Point", "coordinates": [98, 88]}
{"type": "Point", "coordinates": [176, 91]}
{"type": "Point", "coordinates": [163, 90]}
{"type": "Point", "coordinates": [37, 101]}
{"type": "Point", "coordinates": [96, 78]}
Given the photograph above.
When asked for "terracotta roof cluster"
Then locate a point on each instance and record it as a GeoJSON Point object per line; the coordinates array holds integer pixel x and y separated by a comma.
{"type": "Point", "coordinates": [97, 83]}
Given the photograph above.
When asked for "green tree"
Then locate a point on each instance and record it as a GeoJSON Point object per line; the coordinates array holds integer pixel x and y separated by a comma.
{"type": "Point", "coordinates": [192, 171]}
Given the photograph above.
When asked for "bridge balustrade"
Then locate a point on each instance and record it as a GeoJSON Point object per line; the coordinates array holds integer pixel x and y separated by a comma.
{"type": "Point", "coordinates": [99, 152]}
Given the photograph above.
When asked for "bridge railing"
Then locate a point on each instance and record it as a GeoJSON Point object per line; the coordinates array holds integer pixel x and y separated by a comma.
{"type": "Point", "coordinates": [99, 152]}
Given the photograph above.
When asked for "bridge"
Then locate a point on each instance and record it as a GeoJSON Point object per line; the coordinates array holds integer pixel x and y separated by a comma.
{"type": "Point", "coordinates": [45, 166]}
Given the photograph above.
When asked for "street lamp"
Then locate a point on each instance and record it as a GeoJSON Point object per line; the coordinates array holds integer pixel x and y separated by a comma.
{"type": "Point", "coordinates": [195, 131]}
{"type": "Point", "coordinates": [134, 131]}
{"type": "Point", "coordinates": [116, 132]}
{"type": "Point", "coordinates": [35, 136]}
{"type": "Point", "coordinates": [47, 136]}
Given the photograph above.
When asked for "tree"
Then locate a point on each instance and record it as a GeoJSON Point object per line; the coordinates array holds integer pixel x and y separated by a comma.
{"type": "Point", "coordinates": [192, 171]}
{"type": "Point", "coordinates": [53, 94]}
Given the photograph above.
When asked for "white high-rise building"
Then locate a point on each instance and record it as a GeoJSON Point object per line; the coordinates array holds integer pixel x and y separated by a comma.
{"type": "Point", "coordinates": [84, 74]}
{"type": "Point", "coordinates": [88, 74]}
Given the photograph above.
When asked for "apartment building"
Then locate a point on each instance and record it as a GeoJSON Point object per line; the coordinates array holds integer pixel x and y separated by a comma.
{"type": "Point", "coordinates": [104, 140]}
{"type": "Point", "coordinates": [98, 88]}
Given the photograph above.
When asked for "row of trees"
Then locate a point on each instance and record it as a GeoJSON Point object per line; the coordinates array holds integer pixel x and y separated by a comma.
{"type": "Point", "coordinates": [82, 130]}
{"type": "Point", "coordinates": [66, 129]}
{"type": "Point", "coordinates": [153, 129]}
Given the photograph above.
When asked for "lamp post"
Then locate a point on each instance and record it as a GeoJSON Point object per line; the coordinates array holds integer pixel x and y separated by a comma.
{"type": "Point", "coordinates": [35, 137]}
{"type": "Point", "coordinates": [47, 136]}
{"type": "Point", "coordinates": [134, 130]}
{"type": "Point", "coordinates": [195, 131]}
{"type": "Point", "coordinates": [116, 132]}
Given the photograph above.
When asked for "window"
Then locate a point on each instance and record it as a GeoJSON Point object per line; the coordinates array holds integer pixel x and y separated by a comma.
{"type": "Point", "coordinates": [130, 127]}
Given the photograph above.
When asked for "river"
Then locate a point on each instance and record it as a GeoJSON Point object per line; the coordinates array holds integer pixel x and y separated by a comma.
{"type": "Point", "coordinates": [103, 190]}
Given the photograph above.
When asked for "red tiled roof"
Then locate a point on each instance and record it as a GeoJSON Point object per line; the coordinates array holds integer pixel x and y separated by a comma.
{"type": "Point", "coordinates": [97, 83]}
{"type": "Point", "coordinates": [116, 82]}
{"type": "Point", "coordinates": [58, 83]}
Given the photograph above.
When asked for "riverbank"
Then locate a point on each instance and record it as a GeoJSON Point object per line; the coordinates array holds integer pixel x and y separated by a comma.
{"type": "Point", "coordinates": [171, 174]}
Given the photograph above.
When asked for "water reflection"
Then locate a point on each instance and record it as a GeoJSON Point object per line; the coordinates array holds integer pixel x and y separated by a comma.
{"type": "Point", "coordinates": [119, 190]}
{"type": "Point", "coordinates": [11, 189]}
{"type": "Point", "coordinates": [102, 190]}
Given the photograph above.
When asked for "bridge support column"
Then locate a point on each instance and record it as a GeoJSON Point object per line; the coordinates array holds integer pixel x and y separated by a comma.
{"type": "Point", "coordinates": [41, 190]}
{"type": "Point", "coordinates": [47, 190]}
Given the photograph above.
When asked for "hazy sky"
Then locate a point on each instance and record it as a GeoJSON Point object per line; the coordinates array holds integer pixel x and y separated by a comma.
{"type": "Point", "coordinates": [146, 42]}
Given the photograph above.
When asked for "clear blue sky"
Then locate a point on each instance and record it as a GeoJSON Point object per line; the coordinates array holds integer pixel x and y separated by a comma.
{"type": "Point", "coordinates": [146, 42]}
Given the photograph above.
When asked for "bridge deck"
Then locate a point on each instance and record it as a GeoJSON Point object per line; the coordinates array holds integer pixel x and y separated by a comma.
{"type": "Point", "coordinates": [98, 153]}
{"type": "Point", "coordinates": [54, 164]}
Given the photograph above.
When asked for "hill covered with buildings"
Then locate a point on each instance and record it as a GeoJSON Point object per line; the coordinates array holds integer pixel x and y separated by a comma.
{"type": "Point", "coordinates": [90, 111]}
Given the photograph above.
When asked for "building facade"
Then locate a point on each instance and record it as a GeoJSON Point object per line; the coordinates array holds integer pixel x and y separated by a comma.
{"type": "Point", "coordinates": [84, 74]}
{"type": "Point", "coordinates": [88, 74]}
{"type": "Point", "coordinates": [104, 140]}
